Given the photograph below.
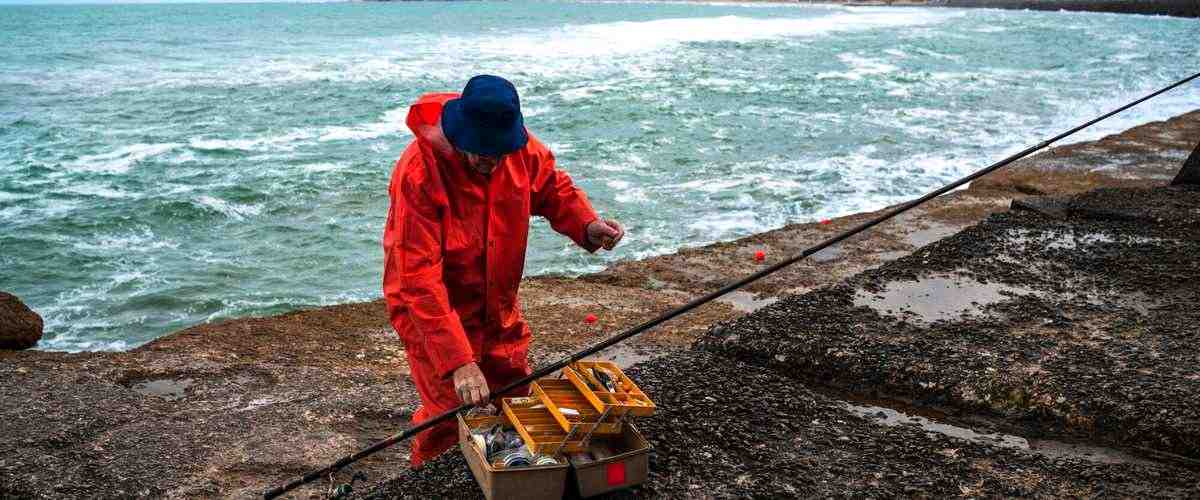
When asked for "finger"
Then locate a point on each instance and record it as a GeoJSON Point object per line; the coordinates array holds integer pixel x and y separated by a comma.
{"type": "Point", "coordinates": [609, 229]}
{"type": "Point", "coordinates": [618, 230]}
{"type": "Point", "coordinates": [483, 396]}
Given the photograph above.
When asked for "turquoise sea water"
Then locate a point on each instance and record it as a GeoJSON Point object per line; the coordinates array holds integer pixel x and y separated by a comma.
{"type": "Point", "coordinates": [167, 165]}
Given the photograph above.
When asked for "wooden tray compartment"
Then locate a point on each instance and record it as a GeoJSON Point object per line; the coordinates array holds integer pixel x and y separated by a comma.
{"type": "Point", "coordinates": [557, 394]}
{"type": "Point", "coordinates": [628, 401]}
{"type": "Point", "coordinates": [538, 427]}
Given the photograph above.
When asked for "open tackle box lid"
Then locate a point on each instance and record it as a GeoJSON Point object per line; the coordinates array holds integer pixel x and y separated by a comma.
{"type": "Point", "coordinates": [627, 400]}
{"type": "Point", "coordinates": [572, 409]}
{"type": "Point", "coordinates": [582, 405]}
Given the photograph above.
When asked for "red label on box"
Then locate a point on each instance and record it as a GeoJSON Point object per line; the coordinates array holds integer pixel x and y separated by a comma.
{"type": "Point", "coordinates": [616, 473]}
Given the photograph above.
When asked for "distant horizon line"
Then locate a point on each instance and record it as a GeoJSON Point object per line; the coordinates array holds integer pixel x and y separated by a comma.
{"type": "Point", "coordinates": [39, 3]}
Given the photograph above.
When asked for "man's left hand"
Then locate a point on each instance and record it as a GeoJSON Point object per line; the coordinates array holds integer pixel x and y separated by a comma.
{"type": "Point", "coordinates": [605, 232]}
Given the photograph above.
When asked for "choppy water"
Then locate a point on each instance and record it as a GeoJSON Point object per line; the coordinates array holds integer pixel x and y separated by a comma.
{"type": "Point", "coordinates": [166, 165]}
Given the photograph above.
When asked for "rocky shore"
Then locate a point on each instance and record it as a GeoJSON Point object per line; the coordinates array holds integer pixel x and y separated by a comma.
{"type": "Point", "coordinates": [1176, 8]}
{"type": "Point", "coordinates": [1064, 321]}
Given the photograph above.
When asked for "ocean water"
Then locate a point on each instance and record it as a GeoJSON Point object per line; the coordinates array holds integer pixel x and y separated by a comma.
{"type": "Point", "coordinates": [168, 165]}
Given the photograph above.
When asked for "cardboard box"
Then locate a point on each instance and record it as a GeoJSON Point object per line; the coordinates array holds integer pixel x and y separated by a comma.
{"type": "Point", "coordinates": [629, 467]}
{"type": "Point", "coordinates": [540, 482]}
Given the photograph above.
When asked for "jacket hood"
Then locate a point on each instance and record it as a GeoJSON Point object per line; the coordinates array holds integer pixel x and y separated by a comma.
{"type": "Point", "coordinates": [424, 120]}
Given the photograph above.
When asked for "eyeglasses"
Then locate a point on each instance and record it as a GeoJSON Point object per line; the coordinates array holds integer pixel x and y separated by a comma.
{"type": "Point", "coordinates": [488, 158]}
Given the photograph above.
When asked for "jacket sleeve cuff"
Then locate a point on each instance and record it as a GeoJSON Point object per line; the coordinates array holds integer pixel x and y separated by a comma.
{"type": "Point", "coordinates": [579, 214]}
{"type": "Point", "coordinates": [583, 241]}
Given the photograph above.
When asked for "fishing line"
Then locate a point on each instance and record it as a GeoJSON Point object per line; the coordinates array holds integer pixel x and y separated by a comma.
{"type": "Point", "coordinates": [547, 370]}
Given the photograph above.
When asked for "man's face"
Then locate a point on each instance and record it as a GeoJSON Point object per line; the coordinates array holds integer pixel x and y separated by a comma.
{"type": "Point", "coordinates": [483, 164]}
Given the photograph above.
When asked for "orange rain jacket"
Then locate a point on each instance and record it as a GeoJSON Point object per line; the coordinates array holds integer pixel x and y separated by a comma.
{"type": "Point", "coordinates": [454, 248]}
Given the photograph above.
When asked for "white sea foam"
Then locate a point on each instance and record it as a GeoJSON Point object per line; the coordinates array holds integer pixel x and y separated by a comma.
{"type": "Point", "coordinates": [392, 123]}
{"type": "Point", "coordinates": [859, 67]}
{"type": "Point", "coordinates": [80, 341]}
{"type": "Point", "coordinates": [139, 241]}
{"type": "Point", "coordinates": [316, 168]}
{"type": "Point", "coordinates": [122, 159]}
{"type": "Point", "coordinates": [97, 190]}
{"type": "Point", "coordinates": [11, 213]}
{"type": "Point", "coordinates": [6, 197]}
{"type": "Point", "coordinates": [531, 111]}
{"type": "Point", "coordinates": [287, 142]}
{"type": "Point", "coordinates": [570, 50]}
{"type": "Point", "coordinates": [583, 92]}
{"type": "Point", "coordinates": [939, 55]}
{"type": "Point", "coordinates": [232, 210]}
{"type": "Point", "coordinates": [725, 224]}
{"type": "Point", "coordinates": [561, 148]}
{"type": "Point", "coordinates": [232, 308]}
{"type": "Point", "coordinates": [1180, 101]}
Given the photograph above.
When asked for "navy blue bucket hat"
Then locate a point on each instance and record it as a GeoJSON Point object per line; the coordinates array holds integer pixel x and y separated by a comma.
{"type": "Point", "coordinates": [486, 119]}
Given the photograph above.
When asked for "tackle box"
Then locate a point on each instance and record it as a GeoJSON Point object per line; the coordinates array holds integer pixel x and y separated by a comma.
{"type": "Point", "coordinates": [538, 482]}
{"type": "Point", "coordinates": [563, 414]}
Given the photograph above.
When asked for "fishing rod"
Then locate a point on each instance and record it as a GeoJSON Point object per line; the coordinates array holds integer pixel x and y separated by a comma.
{"type": "Point", "coordinates": [547, 370]}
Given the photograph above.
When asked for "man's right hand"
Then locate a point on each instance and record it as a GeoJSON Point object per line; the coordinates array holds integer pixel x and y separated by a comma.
{"type": "Point", "coordinates": [470, 385]}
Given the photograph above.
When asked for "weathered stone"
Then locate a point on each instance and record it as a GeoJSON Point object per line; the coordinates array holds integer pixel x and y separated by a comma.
{"type": "Point", "coordinates": [20, 327]}
{"type": "Point", "coordinates": [1190, 173]}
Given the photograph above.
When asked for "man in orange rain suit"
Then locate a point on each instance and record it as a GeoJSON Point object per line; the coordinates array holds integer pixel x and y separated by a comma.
{"type": "Point", "coordinates": [461, 197]}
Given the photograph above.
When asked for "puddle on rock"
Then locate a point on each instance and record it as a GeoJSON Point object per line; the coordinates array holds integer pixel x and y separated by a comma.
{"type": "Point", "coordinates": [167, 388]}
{"type": "Point", "coordinates": [745, 301]}
{"type": "Point", "coordinates": [625, 355]}
{"type": "Point", "coordinates": [827, 254]}
{"type": "Point", "coordinates": [890, 417]}
{"type": "Point", "coordinates": [940, 298]}
{"type": "Point", "coordinates": [1061, 240]}
{"type": "Point", "coordinates": [1045, 447]}
{"type": "Point", "coordinates": [931, 233]}
{"type": "Point", "coordinates": [1059, 449]}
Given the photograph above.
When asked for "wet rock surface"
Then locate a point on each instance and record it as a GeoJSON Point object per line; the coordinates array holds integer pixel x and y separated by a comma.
{"type": "Point", "coordinates": [1083, 325]}
{"type": "Point", "coordinates": [730, 429]}
{"type": "Point", "coordinates": [20, 327]}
